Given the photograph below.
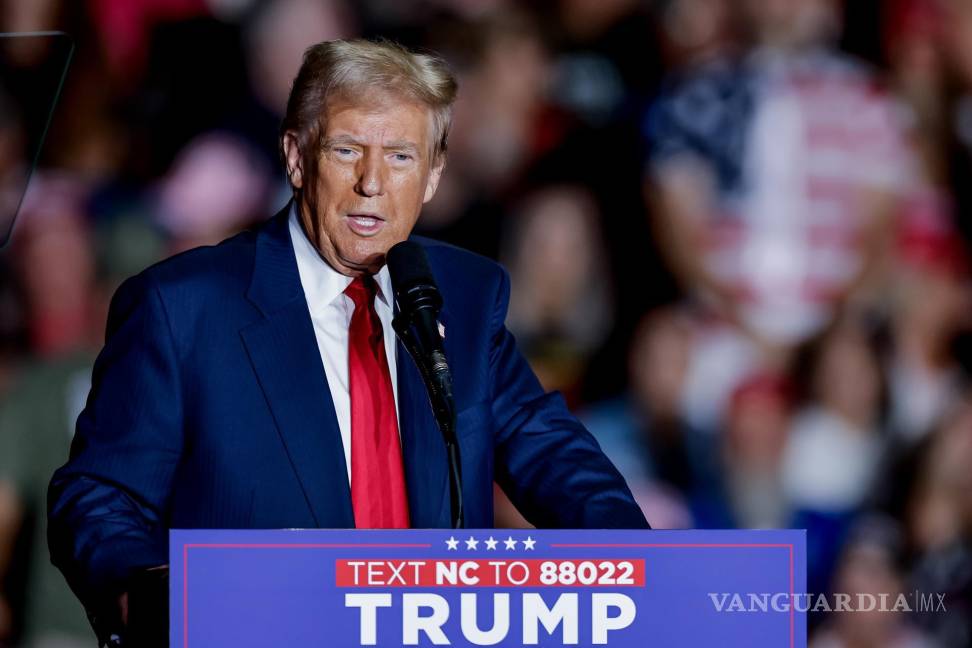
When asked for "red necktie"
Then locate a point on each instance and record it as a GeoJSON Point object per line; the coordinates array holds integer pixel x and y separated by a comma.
{"type": "Point", "coordinates": [377, 478]}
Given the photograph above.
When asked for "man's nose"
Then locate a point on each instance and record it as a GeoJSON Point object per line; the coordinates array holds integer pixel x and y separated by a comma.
{"type": "Point", "coordinates": [371, 181]}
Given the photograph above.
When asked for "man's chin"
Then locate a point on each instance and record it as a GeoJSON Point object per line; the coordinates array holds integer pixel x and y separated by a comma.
{"type": "Point", "coordinates": [369, 261]}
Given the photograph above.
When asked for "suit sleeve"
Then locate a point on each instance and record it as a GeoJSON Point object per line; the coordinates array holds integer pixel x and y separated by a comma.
{"type": "Point", "coordinates": [546, 462]}
{"type": "Point", "coordinates": [106, 505]}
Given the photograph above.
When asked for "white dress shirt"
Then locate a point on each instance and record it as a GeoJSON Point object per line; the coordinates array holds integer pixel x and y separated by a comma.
{"type": "Point", "coordinates": [330, 311]}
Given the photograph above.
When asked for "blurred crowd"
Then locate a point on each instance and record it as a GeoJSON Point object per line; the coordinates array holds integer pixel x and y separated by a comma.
{"type": "Point", "coordinates": [737, 232]}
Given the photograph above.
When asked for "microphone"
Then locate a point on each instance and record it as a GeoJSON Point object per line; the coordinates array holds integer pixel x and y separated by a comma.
{"type": "Point", "coordinates": [416, 324]}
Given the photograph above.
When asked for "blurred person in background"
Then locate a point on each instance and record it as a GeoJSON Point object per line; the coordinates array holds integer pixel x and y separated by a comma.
{"type": "Point", "coordinates": [87, 135]}
{"type": "Point", "coordinates": [606, 62]}
{"type": "Point", "coordinates": [752, 160]}
{"type": "Point", "coordinates": [664, 462]}
{"type": "Point", "coordinates": [695, 32]}
{"type": "Point", "coordinates": [929, 309]}
{"type": "Point", "coordinates": [272, 60]}
{"type": "Point", "coordinates": [642, 432]}
{"type": "Point", "coordinates": [938, 514]}
{"type": "Point", "coordinates": [124, 29]}
{"type": "Point", "coordinates": [502, 124]}
{"type": "Point", "coordinates": [217, 186]}
{"type": "Point", "coordinates": [840, 420]}
{"type": "Point", "coordinates": [871, 566]}
{"type": "Point", "coordinates": [606, 57]}
{"type": "Point", "coordinates": [751, 450]}
{"type": "Point", "coordinates": [53, 226]}
{"type": "Point", "coordinates": [560, 305]}
{"type": "Point", "coordinates": [837, 442]}
{"type": "Point", "coordinates": [956, 43]}
{"type": "Point", "coordinates": [912, 34]}
{"type": "Point", "coordinates": [930, 296]}
{"type": "Point", "coordinates": [560, 301]}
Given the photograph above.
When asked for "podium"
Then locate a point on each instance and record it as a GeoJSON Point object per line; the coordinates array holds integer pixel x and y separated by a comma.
{"type": "Point", "coordinates": [488, 587]}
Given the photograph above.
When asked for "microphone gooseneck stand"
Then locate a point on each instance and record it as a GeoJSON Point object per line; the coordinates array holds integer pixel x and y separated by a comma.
{"type": "Point", "coordinates": [438, 381]}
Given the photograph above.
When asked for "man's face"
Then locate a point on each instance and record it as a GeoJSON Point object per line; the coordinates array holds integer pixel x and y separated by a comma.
{"type": "Point", "coordinates": [374, 173]}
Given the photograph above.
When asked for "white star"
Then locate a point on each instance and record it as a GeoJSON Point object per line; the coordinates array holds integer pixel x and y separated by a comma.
{"type": "Point", "coordinates": [529, 542]}
{"type": "Point", "coordinates": [472, 543]}
{"type": "Point", "coordinates": [510, 543]}
{"type": "Point", "coordinates": [491, 543]}
{"type": "Point", "coordinates": [452, 543]}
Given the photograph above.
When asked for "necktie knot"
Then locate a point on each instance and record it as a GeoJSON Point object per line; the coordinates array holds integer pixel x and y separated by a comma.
{"type": "Point", "coordinates": [362, 291]}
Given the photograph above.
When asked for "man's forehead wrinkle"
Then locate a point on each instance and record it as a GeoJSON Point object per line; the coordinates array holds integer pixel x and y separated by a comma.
{"type": "Point", "coordinates": [342, 139]}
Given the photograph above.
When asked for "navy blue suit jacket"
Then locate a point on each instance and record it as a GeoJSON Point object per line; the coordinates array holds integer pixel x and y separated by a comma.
{"type": "Point", "coordinates": [210, 408]}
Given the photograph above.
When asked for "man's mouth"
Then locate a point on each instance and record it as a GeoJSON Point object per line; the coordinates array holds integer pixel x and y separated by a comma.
{"type": "Point", "coordinates": [365, 224]}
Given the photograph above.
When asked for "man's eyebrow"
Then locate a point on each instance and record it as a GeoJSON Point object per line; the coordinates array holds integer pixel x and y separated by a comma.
{"type": "Point", "coordinates": [401, 145]}
{"type": "Point", "coordinates": [340, 140]}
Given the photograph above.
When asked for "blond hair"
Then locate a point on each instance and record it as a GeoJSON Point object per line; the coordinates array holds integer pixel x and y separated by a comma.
{"type": "Point", "coordinates": [349, 68]}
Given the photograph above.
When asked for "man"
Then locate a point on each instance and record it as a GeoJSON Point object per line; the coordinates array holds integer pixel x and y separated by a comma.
{"type": "Point", "coordinates": [249, 385]}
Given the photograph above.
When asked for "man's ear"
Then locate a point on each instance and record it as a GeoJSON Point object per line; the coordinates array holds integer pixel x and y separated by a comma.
{"type": "Point", "coordinates": [291, 148]}
{"type": "Point", "coordinates": [435, 173]}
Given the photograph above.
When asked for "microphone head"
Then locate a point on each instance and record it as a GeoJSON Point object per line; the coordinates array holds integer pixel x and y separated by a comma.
{"type": "Point", "coordinates": [411, 275]}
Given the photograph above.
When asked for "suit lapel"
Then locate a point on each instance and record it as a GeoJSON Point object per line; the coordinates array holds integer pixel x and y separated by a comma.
{"type": "Point", "coordinates": [283, 351]}
{"type": "Point", "coordinates": [423, 450]}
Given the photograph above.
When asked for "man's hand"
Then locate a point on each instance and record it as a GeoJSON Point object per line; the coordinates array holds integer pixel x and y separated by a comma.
{"type": "Point", "coordinates": [140, 615]}
{"type": "Point", "coordinates": [145, 609]}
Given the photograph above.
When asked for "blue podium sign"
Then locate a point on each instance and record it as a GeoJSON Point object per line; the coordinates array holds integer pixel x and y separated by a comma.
{"type": "Point", "coordinates": [496, 587]}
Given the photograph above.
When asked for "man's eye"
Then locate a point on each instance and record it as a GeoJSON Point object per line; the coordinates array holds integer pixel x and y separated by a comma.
{"type": "Point", "coordinates": [402, 157]}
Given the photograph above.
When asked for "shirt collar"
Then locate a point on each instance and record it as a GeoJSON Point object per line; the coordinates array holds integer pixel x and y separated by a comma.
{"type": "Point", "coordinates": [322, 283]}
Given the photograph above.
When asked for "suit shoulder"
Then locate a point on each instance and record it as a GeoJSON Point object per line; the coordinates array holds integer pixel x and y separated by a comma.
{"type": "Point", "coordinates": [454, 262]}
{"type": "Point", "coordinates": [228, 263]}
